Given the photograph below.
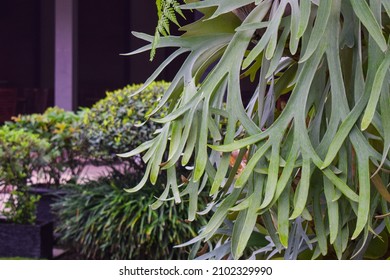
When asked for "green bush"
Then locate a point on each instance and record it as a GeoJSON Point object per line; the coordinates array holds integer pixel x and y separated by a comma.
{"type": "Point", "coordinates": [21, 207]}
{"type": "Point", "coordinates": [110, 126]}
{"type": "Point", "coordinates": [20, 153]}
{"type": "Point", "coordinates": [101, 221]}
{"type": "Point", "coordinates": [61, 129]}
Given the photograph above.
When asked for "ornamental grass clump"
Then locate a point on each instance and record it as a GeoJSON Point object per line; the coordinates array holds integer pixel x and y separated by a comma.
{"type": "Point", "coordinates": [98, 221]}
{"type": "Point", "coordinates": [316, 178]}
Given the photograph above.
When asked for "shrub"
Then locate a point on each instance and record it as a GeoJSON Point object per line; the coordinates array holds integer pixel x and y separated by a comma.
{"type": "Point", "coordinates": [61, 129]}
{"type": "Point", "coordinates": [317, 167]}
{"type": "Point", "coordinates": [111, 125]}
{"type": "Point", "coordinates": [21, 207]}
{"type": "Point", "coordinates": [20, 153]}
{"type": "Point", "coordinates": [101, 221]}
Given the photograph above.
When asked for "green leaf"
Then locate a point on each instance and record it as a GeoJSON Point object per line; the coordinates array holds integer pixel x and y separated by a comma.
{"type": "Point", "coordinates": [386, 5]}
{"type": "Point", "coordinates": [142, 183]}
{"type": "Point", "coordinates": [201, 158]}
{"type": "Point", "coordinates": [287, 172]}
{"type": "Point", "coordinates": [192, 138]}
{"type": "Point", "coordinates": [218, 217]}
{"type": "Point", "coordinates": [319, 222]}
{"type": "Point", "coordinates": [266, 38]}
{"type": "Point", "coordinates": [283, 214]}
{"type": "Point", "coordinates": [160, 201]}
{"type": "Point", "coordinates": [319, 29]}
{"type": "Point", "coordinates": [295, 24]}
{"type": "Point", "coordinates": [244, 176]}
{"type": "Point", "coordinates": [178, 141]}
{"type": "Point", "coordinates": [366, 16]}
{"type": "Point", "coordinates": [385, 114]}
{"type": "Point", "coordinates": [245, 223]}
{"type": "Point", "coordinates": [236, 145]}
{"type": "Point", "coordinates": [225, 7]}
{"type": "Point", "coordinates": [276, 58]}
{"type": "Point", "coordinates": [341, 185]}
{"type": "Point", "coordinates": [269, 225]}
{"type": "Point", "coordinates": [193, 203]}
{"type": "Point", "coordinates": [180, 111]}
{"type": "Point", "coordinates": [302, 190]}
{"type": "Point", "coordinates": [376, 90]}
{"type": "Point", "coordinates": [305, 10]}
{"type": "Point", "coordinates": [273, 174]}
{"type": "Point", "coordinates": [364, 195]}
{"type": "Point", "coordinates": [158, 155]}
{"type": "Point", "coordinates": [225, 23]}
{"type": "Point", "coordinates": [138, 150]}
{"type": "Point", "coordinates": [333, 210]}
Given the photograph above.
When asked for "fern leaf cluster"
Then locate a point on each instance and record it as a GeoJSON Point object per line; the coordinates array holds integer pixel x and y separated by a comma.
{"type": "Point", "coordinates": [166, 11]}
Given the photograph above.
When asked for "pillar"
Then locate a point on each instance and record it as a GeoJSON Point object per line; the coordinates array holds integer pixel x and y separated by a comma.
{"type": "Point", "coordinates": [65, 80]}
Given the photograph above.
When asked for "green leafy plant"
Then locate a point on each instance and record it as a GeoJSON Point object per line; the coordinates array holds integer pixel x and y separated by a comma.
{"type": "Point", "coordinates": [102, 223]}
{"type": "Point", "coordinates": [62, 130]}
{"type": "Point", "coordinates": [166, 11]}
{"type": "Point", "coordinates": [314, 136]}
{"type": "Point", "coordinates": [20, 153]}
{"type": "Point", "coordinates": [21, 207]}
{"type": "Point", "coordinates": [113, 124]}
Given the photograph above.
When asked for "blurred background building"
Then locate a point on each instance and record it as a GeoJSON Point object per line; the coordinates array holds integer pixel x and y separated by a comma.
{"type": "Point", "coordinates": [67, 52]}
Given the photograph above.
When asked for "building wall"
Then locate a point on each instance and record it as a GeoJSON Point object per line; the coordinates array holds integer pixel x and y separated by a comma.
{"type": "Point", "coordinates": [100, 41]}
{"type": "Point", "coordinates": [20, 42]}
{"type": "Point", "coordinates": [104, 32]}
{"type": "Point", "coordinates": [46, 44]}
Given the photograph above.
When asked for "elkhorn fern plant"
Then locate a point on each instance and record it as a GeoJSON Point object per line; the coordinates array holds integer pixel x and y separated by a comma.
{"type": "Point", "coordinates": [304, 165]}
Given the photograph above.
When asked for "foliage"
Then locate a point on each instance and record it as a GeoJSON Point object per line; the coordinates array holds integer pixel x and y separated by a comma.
{"type": "Point", "coordinates": [103, 223]}
{"type": "Point", "coordinates": [21, 207]}
{"type": "Point", "coordinates": [111, 126]}
{"type": "Point", "coordinates": [61, 129]}
{"type": "Point", "coordinates": [166, 11]}
{"type": "Point", "coordinates": [20, 153]}
{"type": "Point", "coordinates": [317, 167]}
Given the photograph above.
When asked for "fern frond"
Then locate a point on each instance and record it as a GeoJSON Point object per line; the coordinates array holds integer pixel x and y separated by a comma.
{"type": "Point", "coordinates": [166, 12]}
{"type": "Point", "coordinates": [170, 14]}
